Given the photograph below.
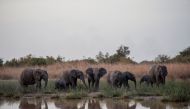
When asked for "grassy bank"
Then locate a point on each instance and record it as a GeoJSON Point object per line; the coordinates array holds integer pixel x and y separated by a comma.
{"type": "Point", "coordinates": [173, 91]}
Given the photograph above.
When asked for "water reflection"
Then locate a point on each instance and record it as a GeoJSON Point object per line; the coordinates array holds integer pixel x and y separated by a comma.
{"type": "Point", "coordinates": [42, 103]}
{"type": "Point", "coordinates": [30, 103]}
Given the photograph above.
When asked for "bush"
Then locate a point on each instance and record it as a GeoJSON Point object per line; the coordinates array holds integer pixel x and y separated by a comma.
{"type": "Point", "coordinates": [1, 62]}
{"type": "Point", "coordinates": [183, 57]}
{"type": "Point", "coordinates": [121, 56]}
{"type": "Point", "coordinates": [30, 60]}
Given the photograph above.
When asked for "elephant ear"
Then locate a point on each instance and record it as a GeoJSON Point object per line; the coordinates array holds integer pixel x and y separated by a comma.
{"type": "Point", "coordinates": [73, 73]}
{"type": "Point", "coordinates": [102, 72]}
{"type": "Point", "coordinates": [164, 70]}
{"type": "Point", "coordinates": [89, 71]}
{"type": "Point", "coordinates": [37, 74]}
{"type": "Point", "coordinates": [80, 74]}
{"type": "Point", "coordinates": [45, 74]}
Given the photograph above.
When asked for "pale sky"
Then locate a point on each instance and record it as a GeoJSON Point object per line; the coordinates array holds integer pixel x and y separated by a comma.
{"type": "Point", "coordinates": [77, 28]}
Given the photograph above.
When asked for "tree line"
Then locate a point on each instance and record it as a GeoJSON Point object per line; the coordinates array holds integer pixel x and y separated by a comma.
{"type": "Point", "coordinates": [121, 55]}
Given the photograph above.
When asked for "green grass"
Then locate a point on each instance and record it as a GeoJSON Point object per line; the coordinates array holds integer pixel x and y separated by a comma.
{"type": "Point", "coordinates": [177, 91]}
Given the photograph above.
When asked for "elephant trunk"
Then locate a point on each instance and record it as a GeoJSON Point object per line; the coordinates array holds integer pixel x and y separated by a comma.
{"type": "Point", "coordinates": [135, 83]}
{"type": "Point", "coordinates": [46, 81]}
{"type": "Point", "coordinates": [83, 80]}
{"type": "Point", "coordinates": [163, 78]}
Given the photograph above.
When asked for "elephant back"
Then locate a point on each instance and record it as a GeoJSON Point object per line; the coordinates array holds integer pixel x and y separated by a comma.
{"type": "Point", "coordinates": [128, 75]}
{"type": "Point", "coordinates": [27, 77]}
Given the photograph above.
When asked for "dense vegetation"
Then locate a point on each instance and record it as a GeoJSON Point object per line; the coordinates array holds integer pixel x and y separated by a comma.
{"type": "Point", "coordinates": [120, 56]}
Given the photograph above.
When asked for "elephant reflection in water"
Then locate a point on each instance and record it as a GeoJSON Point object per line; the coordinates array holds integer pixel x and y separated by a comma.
{"type": "Point", "coordinates": [120, 105]}
{"type": "Point", "coordinates": [78, 104]}
{"type": "Point", "coordinates": [32, 103]}
{"type": "Point", "coordinates": [69, 104]}
{"type": "Point", "coordinates": [153, 104]}
{"type": "Point", "coordinates": [94, 104]}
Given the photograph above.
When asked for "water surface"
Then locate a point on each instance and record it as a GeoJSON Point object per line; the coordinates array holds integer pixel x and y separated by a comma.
{"type": "Point", "coordinates": [45, 103]}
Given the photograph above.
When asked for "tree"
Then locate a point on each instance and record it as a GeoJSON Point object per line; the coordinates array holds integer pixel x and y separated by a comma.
{"type": "Point", "coordinates": [162, 58]}
{"type": "Point", "coordinates": [60, 59]}
{"type": "Point", "coordinates": [100, 57]}
{"type": "Point", "coordinates": [1, 62]}
{"type": "Point", "coordinates": [183, 57]}
{"type": "Point", "coordinates": [185, 52]}
{"type": "Point", "coordinates": [13, 63]}
{"type": "Point", "coordinates": [123, 51]}
{"type": "Point", "coordinates": [50, 60]}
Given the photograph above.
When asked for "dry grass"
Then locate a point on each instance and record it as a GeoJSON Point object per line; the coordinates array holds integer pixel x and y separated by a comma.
{"type": "Point", "coordinates": [176, 70]}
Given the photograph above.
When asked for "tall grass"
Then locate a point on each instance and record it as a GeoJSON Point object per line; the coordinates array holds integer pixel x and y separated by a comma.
{"type": "Point", "coordinates": [176, 70]}
{"type": "Point", "coordinates": [172, 90]}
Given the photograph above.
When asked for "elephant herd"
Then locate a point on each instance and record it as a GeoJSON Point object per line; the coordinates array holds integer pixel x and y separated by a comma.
{"type": "Point", "coordinates": [116, 79]}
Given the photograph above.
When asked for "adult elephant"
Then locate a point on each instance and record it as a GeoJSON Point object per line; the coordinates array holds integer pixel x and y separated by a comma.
{"type": "Point", "coordinates": [94, 75]}
{"type": "Point", "coordinates": [70, 78]}
{"type": "Point", "coordinates": [114, 79]}
{"type": "Point", "coordinates": [125, 77]}
{"type": "Point", "coordinates": [33, 76]}
{"type": "Point", "coordinates": [158, 74]}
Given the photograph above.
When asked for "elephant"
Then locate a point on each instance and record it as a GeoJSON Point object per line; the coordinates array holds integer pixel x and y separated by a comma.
{"type": "Point", "coordinates": [70, 77]}
{"type": "Point", "coordinates": [60, 84]}
{"type": "Point", "coordinates": [147, 79]}
{"type": "Point", "coordinates": [158, 74]}
{"type": "Point", "coordinates": [94, 75]}
{"type": "Point", "coordinates": [125, 77]}
{"type": "Point", "coordinates": [114, 78]}
{"type": "Point", "coordinates": [33, 76]}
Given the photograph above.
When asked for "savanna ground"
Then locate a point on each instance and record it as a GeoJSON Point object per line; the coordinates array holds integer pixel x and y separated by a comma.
{"type": "Point", "coordinates": [177, 87]}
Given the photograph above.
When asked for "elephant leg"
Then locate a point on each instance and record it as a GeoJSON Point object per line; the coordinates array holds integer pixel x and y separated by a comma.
{"type": "Point", "coordinates": [40, 85]}
{"type": "Point", "coordinates": [93, 83]}
{"type": "Point", "coordinates": [127, 84]}
{"type": "Point", "coordinates": [37, 85]}
{"type": "Point", "coordinates": [124, 84]}
{"type": "Point", "coordinates": [147, 83]}
{"type": "Point", "coordinates": [157, 81]}
{"type": "Point", "coordinates": [75, 83]}
{"type": "Point", "coordinates": [25, 86]}
{"type": "Point", "coordinates": [89, 81]}
{"type": "Point", "coordinates": [114, 84]}
{"type": "Point", "coordinates": [119, 84]}
{"type": "Point", "coordinates": [67, 86]}
{"type": "Point", "coordinates": [72, 84]}
{"type": "Point", "coordinates": [151, 84]}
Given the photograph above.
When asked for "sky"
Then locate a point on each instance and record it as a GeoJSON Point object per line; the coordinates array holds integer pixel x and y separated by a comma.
{"type": "Point", "coordinates": [76, 29]}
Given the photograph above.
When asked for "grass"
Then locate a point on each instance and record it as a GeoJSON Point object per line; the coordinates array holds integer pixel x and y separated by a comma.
{"type": "Point", "coordinates": [176, 70]}
{"type": "Point", "coordinates": [177, 91]}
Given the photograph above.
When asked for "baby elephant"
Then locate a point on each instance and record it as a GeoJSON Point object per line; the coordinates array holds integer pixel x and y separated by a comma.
{"type": "Point", "coordinates": [60, 84]}
{"type": "Point", "coordinates": [147, 79]}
